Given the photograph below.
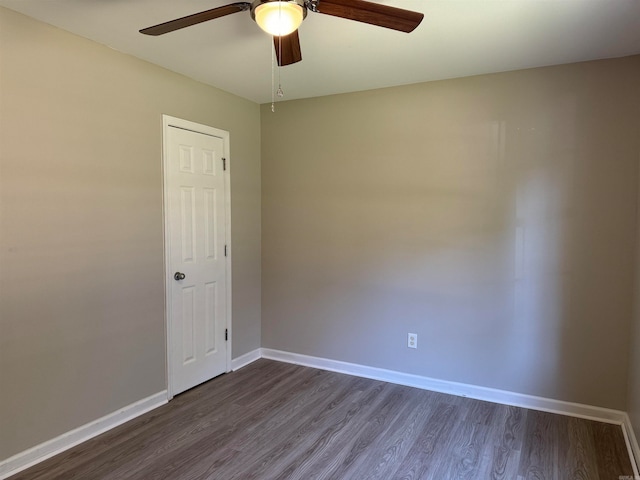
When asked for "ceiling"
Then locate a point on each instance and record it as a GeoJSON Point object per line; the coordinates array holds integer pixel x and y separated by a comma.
{"type": "Point", "coordinates": [456, 38]}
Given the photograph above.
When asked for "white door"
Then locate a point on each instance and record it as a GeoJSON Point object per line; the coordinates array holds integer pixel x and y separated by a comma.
{"type": "Point", "coordinates": [196, 210]}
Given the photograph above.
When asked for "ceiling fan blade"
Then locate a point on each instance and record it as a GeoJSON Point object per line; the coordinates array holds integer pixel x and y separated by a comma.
{"type": "Point", "coordinates": [372, 13]}
{"type": "Point", "coordinates": [288, 49]}
{"type": "Point", "coordinates": [196, 18]}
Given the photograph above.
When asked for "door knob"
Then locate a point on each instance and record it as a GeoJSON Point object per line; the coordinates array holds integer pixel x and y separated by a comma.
{"type": "Point", "coordinates": [178, 276]}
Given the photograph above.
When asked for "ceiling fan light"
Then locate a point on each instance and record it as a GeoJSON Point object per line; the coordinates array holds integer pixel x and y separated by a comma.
{"type": "Point", "coordinates": [279, 18]}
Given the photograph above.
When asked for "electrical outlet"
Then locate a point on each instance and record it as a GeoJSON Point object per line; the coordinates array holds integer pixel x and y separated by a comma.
{"type": "Point", "coordinates": [412, 340]}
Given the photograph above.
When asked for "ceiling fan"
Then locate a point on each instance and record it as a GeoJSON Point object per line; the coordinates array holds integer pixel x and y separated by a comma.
{"type": "Point", "coordinates": [282, 19]}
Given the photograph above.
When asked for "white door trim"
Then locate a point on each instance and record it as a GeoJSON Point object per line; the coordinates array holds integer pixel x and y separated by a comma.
{"type": "Point", "coordinates": [168, 121]}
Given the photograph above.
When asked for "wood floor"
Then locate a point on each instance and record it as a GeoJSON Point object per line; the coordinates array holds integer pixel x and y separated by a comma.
{"type": "Point", "coordinates": [273, 420]}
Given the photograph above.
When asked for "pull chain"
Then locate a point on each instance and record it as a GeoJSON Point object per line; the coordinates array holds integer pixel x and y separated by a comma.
{"type": "Point", "coordinates": [273, 80]}
{"type": "Point", "coordinates": [279, 91]}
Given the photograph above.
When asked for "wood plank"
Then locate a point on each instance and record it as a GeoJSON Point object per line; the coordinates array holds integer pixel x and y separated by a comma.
{"type": "Point", "coordinates": [577, 450]}
{"type": "Point", "coordinates": [503, 457]}
{"type": "Point", "coordinates": [464, 452]}
{"type": "Point", "coordinates": [377, 427]}
{"type": "Point", "coordinates": [328, 441]}
{"type": "Point", "coordinates": [384, 458]}
{"type": "Point", "coordinates": [537, 456]}
{"type": "Point", "coordinates": [429, 448]}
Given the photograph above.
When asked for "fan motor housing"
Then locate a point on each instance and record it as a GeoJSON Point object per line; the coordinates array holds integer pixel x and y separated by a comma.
{"type": "Point", "coordinates": [257, 3]}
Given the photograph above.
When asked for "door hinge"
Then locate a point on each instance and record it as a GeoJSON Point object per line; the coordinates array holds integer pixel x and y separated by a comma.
{"type": "Point", "coordinates": [224, 163]}
{"type": "Point", "coordinates": [225, 250]}
{"type": "Point", "coordinates": [226, 334]}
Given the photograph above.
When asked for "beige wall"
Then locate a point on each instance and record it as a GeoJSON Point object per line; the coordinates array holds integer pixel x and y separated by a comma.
{"type": "Point", "coordinates": [494, 216]}
{"type": "Point", "coordinates": [81, 256]}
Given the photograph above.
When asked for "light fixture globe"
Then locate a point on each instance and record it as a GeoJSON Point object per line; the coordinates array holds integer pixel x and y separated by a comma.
{"type": "Point", "coordinates": [278, 18]}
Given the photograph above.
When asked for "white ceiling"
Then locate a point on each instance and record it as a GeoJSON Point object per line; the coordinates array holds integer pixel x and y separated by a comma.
{"type": "Point", "coordinates": [457, 38]}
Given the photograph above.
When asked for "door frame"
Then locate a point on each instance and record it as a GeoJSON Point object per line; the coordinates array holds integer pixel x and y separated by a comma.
{"type": "Point", "coordinates": [168, 122]}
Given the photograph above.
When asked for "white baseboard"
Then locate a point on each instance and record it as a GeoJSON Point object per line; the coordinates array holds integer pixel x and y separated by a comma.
{"type": "Point", "coordinates": [57, 445]}
{"type": "Point", "coordinates": [246, 359]}
{"type": "Point", "coordinates": [460, 389]}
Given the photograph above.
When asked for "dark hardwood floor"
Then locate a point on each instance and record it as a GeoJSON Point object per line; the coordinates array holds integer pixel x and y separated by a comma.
{"type": "Point", "coordinates": [273, 420]}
